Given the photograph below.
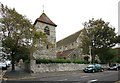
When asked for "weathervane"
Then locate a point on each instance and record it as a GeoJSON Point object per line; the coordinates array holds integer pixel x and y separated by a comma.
{"type": "Point", "coordinates": [43, 8]}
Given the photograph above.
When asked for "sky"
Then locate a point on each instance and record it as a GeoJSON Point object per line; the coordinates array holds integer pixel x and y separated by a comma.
{"type": "Point", "coordinates": [69, 15]}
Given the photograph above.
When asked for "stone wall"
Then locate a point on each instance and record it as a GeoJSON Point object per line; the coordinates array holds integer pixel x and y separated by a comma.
{"type": "Point", "coordinates": [56, 67]}
{"type": "Point", "coordinates": [46, 50]}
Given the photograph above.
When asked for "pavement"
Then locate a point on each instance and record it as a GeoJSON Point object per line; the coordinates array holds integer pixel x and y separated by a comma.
{"type": "Point", "coordinates": [2, 73]}
{"type": "Point", "coordinates": [15, 75]}
{"type": "Point", "coordinates": [20, 74]}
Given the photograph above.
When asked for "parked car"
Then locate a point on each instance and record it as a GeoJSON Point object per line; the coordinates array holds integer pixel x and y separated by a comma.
{"type": "Point", "coordinates": [93, 68]}
{"type": "Point", "coordinates": [114, 66]}
{"type": "Point", "coordinates": [3, 65]}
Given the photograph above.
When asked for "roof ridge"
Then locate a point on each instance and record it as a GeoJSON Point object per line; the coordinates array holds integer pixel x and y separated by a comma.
{"type": "Point", "coordinates": [69, 39]}
{"type": "Point", "coordinates": [70, 35]}
{"type": "Point", "coordinates": [45, 19]}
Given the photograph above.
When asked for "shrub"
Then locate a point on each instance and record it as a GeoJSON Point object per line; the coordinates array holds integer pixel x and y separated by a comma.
{"type": "Point", "coordinates": [46, 61]}
{"type": "Point", "coordinates": [80, 62]}
{"type": "Point", "coordinates": [116, 59]}
{"type": "Point", "coordinates": [27, 61]}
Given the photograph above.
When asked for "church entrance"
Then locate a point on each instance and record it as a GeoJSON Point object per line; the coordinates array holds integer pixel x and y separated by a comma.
{"type": "Point", "coordinates": [86, 58]}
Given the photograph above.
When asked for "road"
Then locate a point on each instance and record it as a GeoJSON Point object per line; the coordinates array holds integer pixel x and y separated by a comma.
{"type": "Point", "coordinates": [77, 77]}
{"type": "Point", "coordinates": [84, 77]}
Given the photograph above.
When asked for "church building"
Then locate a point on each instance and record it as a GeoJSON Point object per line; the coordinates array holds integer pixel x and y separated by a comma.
{"type": "Point", "coordinates": [70, 47]}
{"type": "Point", "coordinates": [47, 50]}
{"type": "Point", "coordinates": [67, 48]}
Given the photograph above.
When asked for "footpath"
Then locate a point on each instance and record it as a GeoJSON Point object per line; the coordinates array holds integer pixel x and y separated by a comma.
{"type": "Point", "coordinates": [20, 74]}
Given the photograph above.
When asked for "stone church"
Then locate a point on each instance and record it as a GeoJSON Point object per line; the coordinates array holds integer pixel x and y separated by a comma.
{"type": "Point", "coordinates": [67, 48]}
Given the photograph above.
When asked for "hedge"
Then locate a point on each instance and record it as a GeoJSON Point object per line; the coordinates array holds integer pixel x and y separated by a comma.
{"type": "Point", "coordinates": [46, 61]}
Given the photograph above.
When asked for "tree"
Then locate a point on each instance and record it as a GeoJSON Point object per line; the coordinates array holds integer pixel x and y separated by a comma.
{"type": "Point", "coordinates": [101, 36]}
{"type": "Point", "coordinates": [107, 54]}
{"type": "Point", "coordinates": [18, 33]}
{"type": "Point", "coordinates": [85, 42]}
{"type": "Point", "coordinates": [118, 39]}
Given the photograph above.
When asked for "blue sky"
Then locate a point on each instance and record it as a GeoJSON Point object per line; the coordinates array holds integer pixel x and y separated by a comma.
{"type": "Point", "coordinates": [68, 14]}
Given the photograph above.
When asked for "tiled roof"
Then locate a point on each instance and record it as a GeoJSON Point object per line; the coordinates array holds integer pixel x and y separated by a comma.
{"type": "Point", "coordinates": [44, 19]}
{"type": "Point", "coordinates": [69, 39]}
{"type": "Point", "coordinates": [64, 53]}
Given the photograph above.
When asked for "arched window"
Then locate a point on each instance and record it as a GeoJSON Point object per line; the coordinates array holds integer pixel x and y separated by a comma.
{"type": "Point", "coordinates": [46, 30]}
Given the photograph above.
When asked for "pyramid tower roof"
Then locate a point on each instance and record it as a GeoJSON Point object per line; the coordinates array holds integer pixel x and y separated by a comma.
{"type": "Point", "coordinates": [45, 19]}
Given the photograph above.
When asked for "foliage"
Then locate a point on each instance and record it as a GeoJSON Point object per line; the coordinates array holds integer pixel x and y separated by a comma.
{"type": "Point", "coordinates": [18, 34]}
{"type": "Point", "coordinates": [27, 61]}
{"type": "Point", "coordinates": [118, 39]}
{"type": "Point", "coordinates": [47, 61]}
{"type": "Point", "coordinates": [100, 36]}
{"type": "Point", "coordinates": [22, 52]}
{"type": "Point", "coordinates": [116, 60]}
{"type": "Point", "coordinates": [107, 54]}
{"type": "Point", "coordinates": [85, 42]}
{"type": "Point", "coordinates": [100, 33]}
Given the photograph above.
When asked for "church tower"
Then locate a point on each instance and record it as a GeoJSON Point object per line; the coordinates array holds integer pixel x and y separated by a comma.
{"type": "Point", "coordinates": [48, 50]}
